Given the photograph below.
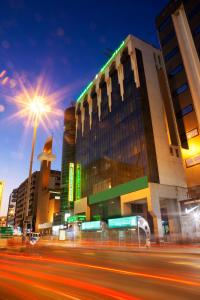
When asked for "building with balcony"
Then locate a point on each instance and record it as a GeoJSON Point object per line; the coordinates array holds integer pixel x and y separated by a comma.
{"type": "Point", "coordinates": [11, 208]}
{"type": "Point", "coordinates": [44, 198]}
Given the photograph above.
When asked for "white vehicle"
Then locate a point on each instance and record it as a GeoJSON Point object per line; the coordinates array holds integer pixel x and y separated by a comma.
{"type": "Point", "coordinates": [34, 237]}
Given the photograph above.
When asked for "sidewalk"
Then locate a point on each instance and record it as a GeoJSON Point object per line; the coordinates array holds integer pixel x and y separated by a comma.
{"type": "Point", "coordinates": [112, 246]}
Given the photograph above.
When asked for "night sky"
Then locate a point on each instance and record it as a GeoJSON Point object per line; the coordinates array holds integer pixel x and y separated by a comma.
{"type": "Point", "coordinates": [67, 41]}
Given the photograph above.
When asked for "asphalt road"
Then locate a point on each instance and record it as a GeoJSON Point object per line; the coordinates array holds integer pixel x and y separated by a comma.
{"type": "Point", "coordinates": [41, 272]}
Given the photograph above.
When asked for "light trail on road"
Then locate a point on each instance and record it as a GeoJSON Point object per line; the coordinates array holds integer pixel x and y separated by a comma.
{"type": "Point", "coordinates": [32, 283]}
{"type": "Point", "coordinates": [113, 270]}
{"type": "Point", "coordinates": [5, 265]}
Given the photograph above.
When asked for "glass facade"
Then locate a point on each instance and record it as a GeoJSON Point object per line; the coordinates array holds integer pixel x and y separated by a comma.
{"type": "Point", "coordinates": [68, 157]}
{"type": "Point", "coordinates": [120, 146]}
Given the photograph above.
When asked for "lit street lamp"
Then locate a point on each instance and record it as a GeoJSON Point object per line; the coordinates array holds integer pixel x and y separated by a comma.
{"type": "Point", "coordinates": [37, 107]}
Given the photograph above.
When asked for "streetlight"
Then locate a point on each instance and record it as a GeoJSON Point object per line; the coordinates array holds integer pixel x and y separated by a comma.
{"type": "Point", "coordinates": [37, 107]}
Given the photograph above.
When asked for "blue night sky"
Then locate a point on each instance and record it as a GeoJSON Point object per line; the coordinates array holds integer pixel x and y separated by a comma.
{"type": "Point", "coordinates": [66, 41]}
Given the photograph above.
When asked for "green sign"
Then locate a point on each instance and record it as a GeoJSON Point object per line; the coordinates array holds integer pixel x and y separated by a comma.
{"type": "Point", "coordinates": [71, 183]}
{"type": "Point", "coordinates": [76, 218]}
{"type": "Point", "coordinates": [123, 222]}
{"type": "Point", "coordinates": [6, 232]}
{"type": "Point", "coordinates": [78, 181]}
{"type": "Point", "coordinates": [93, 225]}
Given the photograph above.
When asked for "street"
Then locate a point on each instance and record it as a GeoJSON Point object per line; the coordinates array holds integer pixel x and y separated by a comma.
{"type": "Point", "coordinates": [44, 272]}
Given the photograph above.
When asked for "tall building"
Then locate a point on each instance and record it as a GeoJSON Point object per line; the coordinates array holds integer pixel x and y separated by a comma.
{"type": "Point", "coordinates": [68, 159]}
{"type": "Point", "coordinates": [44, 197]}
{"type": "Point", "coordinates": [178, 27]}
{"type": "Point", "coordinates": [11, 208]}
{"type": "Point", "coordinates": [21, 199]}
{"type": "Point", "coordinates": [1, 192]}
{"type": "Point", "coordinates": [48, 201]}
{"type": "Point", "coordinates": [127, 145]}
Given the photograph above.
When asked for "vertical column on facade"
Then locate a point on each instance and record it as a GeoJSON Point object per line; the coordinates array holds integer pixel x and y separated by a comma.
{"type": "Point", "coordinates": [76, 118]}
{"type": "Point", "coordinates": [109, 88]}
{"type": "Point", "coordinates": [153, 203]}
{"type": "Point", "coordinates": [98, 91]}
{"type": "Point", "coordinates": [120, 72]}
{"type": "Point", "coordinates": [82, 116]}
{"type": "Point", "coordinates": [89, 99]}
{"type": "Point", "coordinates": [134, 66]}
{"type": "Point", "coordinates": [189, 56]}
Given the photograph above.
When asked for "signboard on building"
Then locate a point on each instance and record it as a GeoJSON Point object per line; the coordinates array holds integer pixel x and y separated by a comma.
{"type": "Point", "coordinates": [71, 183]}
{"type": "Point", "coordinates": [123, 222]}
{"type": "Point", "coordinates": [78, 181]}
{"type": "Point", "coordinates": [93, 225]}
{"type": "Point", "coordinates": [77, 218]}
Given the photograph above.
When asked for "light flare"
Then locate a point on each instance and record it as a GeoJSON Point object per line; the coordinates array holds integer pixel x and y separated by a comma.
{"type": "Point", "coordinates": [39, 102]}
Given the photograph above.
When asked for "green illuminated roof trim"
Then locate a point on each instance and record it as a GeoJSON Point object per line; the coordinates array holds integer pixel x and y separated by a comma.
{"type": "Point", "coordinates": [114, 54]}
{"type": "Point", "coordinates": [102, 70]}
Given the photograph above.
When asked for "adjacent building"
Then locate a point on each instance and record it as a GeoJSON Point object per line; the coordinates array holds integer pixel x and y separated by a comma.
{"type": "Point", "coordinates": [11, 208]}
{"type": "Point", "coordinates": [44, 198]}
{"type": "Point", "coordinates": [21, 200]}
{"type": "Point", "coordinates": [178, 27]}
{"type": "Point", "coordinates": [127, 152]}
{"type": "Point", "coordinates": [68, 161]}
{"type": "Point", "coordinates": [48, 193]}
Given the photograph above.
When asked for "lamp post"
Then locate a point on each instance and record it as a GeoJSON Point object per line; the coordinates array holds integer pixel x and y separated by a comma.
{"type": "Point", "coordinates": [25, 221]}
{"type": "Point", "coordinates": [36, 107]}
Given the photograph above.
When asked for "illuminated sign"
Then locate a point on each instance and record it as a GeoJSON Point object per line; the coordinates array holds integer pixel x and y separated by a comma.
{"type": "Point", "coordinates": [93, 225]}
{"type": "Point", "coordinates": [123, 222]}
{"type": "Point", "coordinates": [78, 181]}
{"type": "Point", "coordinates": [76, 218]}
{"type": "Point", "coordinates": [71, 183]}
{"type": "Point", "coordinates": [67, 215]}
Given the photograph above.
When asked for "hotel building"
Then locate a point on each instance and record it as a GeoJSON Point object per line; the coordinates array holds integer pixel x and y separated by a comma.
{"type": "Point", "coordinates": [127, 152]}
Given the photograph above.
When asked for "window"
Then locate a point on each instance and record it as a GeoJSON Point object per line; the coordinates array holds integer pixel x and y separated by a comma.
{"type": "Point", "coordinates": [192, 161]}
{"type": "Point", "coordinates": [180, 90]}
{"type": "Point", "coordinates": [177, 153]}
{"type": "Point", "coordinates": [186, 110]}
{"type": "Point", "coordinates": [171, 54]}
{"type": "Point", "coordinates": [192, 133]}
{"type": "Point", "coordinates": [167, 38]}
{"type": "Point", "coordinates": [176, 70]}
{"type": "Point", "coordinates": [164, 23]}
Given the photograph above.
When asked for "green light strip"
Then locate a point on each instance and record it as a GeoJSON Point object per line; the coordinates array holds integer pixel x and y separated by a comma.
{"type": "Point", "coordinates": [78, 181]}
{"type": "Point", "coordinates": [71, 183]}
{"type": "Point", "coordinates": [101, 71]}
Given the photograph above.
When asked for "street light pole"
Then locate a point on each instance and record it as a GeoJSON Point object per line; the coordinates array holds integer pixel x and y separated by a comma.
{"type": "Point", "coordinates": [27, 200]}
